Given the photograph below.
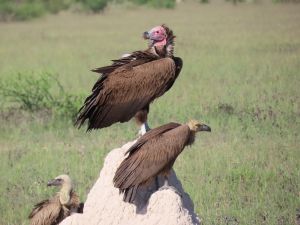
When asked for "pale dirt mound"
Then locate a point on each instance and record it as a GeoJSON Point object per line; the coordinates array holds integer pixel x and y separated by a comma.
{"type": "Point", "coordinates": [104, 204]}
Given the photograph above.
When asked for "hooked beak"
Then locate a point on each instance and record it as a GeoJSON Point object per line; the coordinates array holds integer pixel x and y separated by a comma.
{"type": "Point", "coordinates": [54, 182]}
{"type": "Point", "coordinates": [204, 127]}
{"type": "Point", "coordinates": [146, 35]}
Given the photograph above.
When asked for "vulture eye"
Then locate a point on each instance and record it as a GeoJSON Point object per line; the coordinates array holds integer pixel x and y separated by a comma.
{"type": "Point", "coordinates": [59, 179]}
{"type": "Point", "coordinates": [157, 32]}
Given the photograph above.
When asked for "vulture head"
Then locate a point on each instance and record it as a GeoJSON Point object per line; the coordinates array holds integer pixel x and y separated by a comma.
{"type": "Point", "coordinates": [196, 126]}
{"type": "Point", "coordinates": [161, 36]}
{"type": "Point", "coordinates": [61, 180]}
{"type": "Point", "coordinates": [66, 186]}
{"type": "Point", "coordinates": [157, 36]}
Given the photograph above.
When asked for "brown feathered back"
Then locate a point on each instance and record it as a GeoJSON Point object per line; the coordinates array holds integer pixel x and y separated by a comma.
{"type": "Point", "coordinates": [154, 153]}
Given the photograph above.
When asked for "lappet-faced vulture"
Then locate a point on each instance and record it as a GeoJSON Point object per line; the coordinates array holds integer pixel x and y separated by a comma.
{"type": "Point", "coordinates": [154, 154]}
{"type": "Point", "coordinates": [127, 87]}
{"type": "Point", "coordinates": [52, 211]}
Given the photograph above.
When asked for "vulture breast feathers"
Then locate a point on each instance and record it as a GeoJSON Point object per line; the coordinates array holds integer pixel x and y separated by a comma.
{"type": "Point", "coordinates": [153, 154]}
{"type": "Point", "coordinates": [129, 85]}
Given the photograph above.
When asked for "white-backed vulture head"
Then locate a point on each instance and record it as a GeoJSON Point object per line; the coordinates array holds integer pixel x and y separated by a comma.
{"type": "Point", "coordinates": [53, 210]}
{"type": "Point", "coordinates": [66, 184]}
{"type": "Point", "coordinates": [196, 126]}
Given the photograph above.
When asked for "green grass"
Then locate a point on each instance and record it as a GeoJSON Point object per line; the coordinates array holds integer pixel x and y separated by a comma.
{"type": "Point", "coordinates": [16, 10]}
{"type": "Point", "coordinates": [241, 76]}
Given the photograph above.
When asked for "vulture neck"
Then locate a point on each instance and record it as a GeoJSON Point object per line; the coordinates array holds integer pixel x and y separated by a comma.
{"type": "Point", "coordinates": [191, 139]}
{"type": "Point", "coordinates": [164, 50]}
{"type": "Point", "coordinates": [193, 131]}
{"type": "Point", "coordinates": [65, 194]}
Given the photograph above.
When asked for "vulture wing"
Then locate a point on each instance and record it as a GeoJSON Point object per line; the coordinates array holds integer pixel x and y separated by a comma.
{"type": "Point", "coordinates": [150, 135]}
{"type": "Point", "coordinates": [47, 212]}
{"type": "Point", "coordinates": [126, 87]}
{"type": "Point", "coordinates": [152, 153]}
{"type": "Point", "coordinates": [76, 205]}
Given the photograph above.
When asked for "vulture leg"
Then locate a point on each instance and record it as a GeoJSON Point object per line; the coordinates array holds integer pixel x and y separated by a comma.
{"type": "Point", "coordinates": [80, 209]}
{"type": "Point", "coordinates": [166, 186]}
{"type": "Point", "coordinates": [144, 128]}
{"type": "Point", "coordinates": [157, 183]}
{"type": "Point", "coordinates": [141, 120]}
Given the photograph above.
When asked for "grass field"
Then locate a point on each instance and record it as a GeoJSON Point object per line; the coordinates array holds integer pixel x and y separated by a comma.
{"type": "Point", "coordinates": [241, 76]}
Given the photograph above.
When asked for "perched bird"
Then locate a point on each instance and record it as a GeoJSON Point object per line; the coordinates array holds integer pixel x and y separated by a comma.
{"type": "Point", "coordinates": [127, 87]}
{"type": "Point", "coordinates": [154, 154]}
{"type": "Point", "coordinates": [52, 211]}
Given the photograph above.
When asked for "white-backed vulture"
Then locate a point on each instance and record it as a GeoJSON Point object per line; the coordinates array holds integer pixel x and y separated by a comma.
{"type": "Point", "coordinates": [154, 154]}
{"type": "Point", "coordinates": [52, 211]}
{"type": "Point", "coordinates": [126, 88]}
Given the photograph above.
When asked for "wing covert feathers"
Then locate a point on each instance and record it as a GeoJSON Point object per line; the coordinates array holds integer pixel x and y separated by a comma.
{"type": "Point", "coordinates": [47, 212]}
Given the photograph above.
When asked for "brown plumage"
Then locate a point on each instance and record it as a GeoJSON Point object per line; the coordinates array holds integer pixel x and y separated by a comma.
{"type": "Point", "coordinates": [52, 211]}
{"type": "Point", "coordinates": [154, 154]}
{"type": "Point", "coordinates": [131, 83]}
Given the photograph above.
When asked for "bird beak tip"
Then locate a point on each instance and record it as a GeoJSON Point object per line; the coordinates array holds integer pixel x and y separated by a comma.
{"type": "Point", "coordinates": [52, 183]}
{"type": "Point", "coordinates": [205, 128]}
{"type": "Point", "coordinates": [146, 35]}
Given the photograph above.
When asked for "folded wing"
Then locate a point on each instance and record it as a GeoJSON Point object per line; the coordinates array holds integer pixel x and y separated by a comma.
{"type": "Point", "coordinates": [151, 155]}
{"type": "Point", "coordinates": [47, 212]}
{"type": "Point", "coordinates": [126, 88]}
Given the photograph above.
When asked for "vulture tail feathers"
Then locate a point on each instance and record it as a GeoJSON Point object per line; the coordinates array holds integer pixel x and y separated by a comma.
{"type": "Point", "coordinates": [91, 110]}
{"type": "Point", "coordinates": [129, 194]}
{"type": "Point", "coordinates": [80, 208]}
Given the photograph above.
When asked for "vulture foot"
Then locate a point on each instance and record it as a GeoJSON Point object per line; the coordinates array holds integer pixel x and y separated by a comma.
{"type": "Point", "coordinates": [144, 129]}
{"type": "Point", "coordinates": [157, 183]}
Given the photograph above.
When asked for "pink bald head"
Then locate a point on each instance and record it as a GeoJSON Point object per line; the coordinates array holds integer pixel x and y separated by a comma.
{"type": "Point", "coordinates": [157, 35]}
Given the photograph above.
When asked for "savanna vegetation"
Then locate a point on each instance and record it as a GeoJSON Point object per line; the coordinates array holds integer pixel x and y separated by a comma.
{"type": "Point", "coordinates": [28, 9]}
{"type": "Point", "coordinates": [241, 76]}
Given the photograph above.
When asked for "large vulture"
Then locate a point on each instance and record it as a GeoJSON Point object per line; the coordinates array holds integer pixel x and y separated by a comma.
{"type": "Point", "coordinates": [154, 154]}
{"type": "Point", "coordinates": [127, 87]}
{"type": "Point", "coordinates": [52, 211]}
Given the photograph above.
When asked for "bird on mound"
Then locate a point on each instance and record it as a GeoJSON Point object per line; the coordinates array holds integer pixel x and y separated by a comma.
{"type": "Point", "coordinates": [52, 211]}
{"type": "Point", "coordinates": [126, 88]}
{"type": "Point", "coordinates": [154, 154]}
